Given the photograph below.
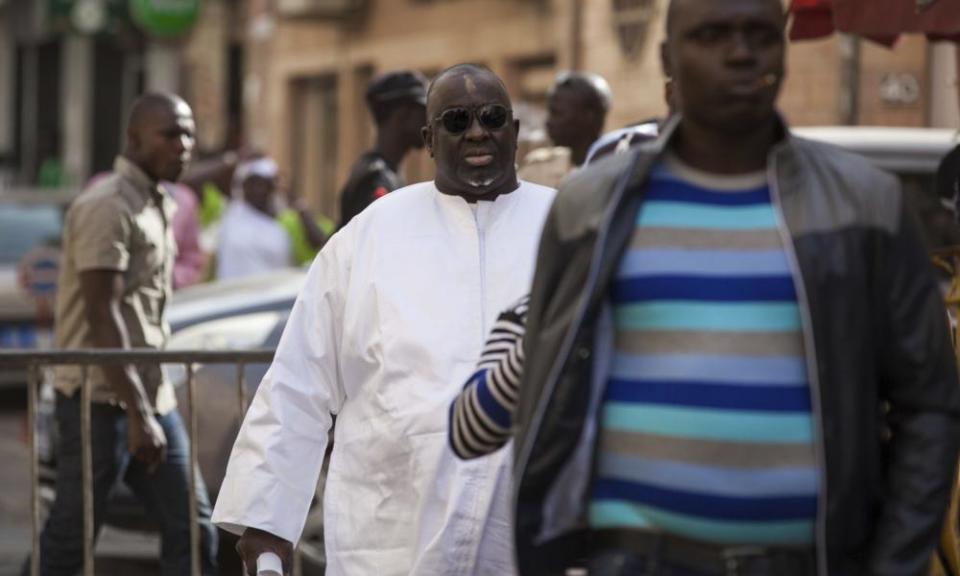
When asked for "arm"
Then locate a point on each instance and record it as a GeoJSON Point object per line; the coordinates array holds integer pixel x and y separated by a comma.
{"type": "Point", "coordinates": [919, 380]}
{"type": "Point", "coordinates": [355, 200]}
{"type": "Point", "coordinates": [271, 478]}
{"type": "Point", "coordinates": [102, 290]}
{"type": "Point", "coordinates": [315, 236]}
{"type": "Point", "coordinates": [480, 415]}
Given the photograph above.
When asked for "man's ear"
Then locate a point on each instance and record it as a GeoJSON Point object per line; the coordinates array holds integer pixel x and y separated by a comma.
{"type": "Point", "coordinates": [516, 128]}
{"type": "Point", "coordinates": [133, 140]}
{"type": "Point", "coordinates": [427, 134]}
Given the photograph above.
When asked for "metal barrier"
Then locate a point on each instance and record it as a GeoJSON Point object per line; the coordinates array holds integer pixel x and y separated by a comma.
{"type": "Point", "coordinates": [35, 361]}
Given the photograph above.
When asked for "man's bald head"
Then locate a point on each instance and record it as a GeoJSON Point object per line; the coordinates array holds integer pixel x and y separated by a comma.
{"type": "Point", "coordinates": [471, 133]}
{"type": "Point", "coordinates": [461, 74]}
{"type": "Point", "coordinates": [160, 135]}
{"type": "Point", "coordinates": [677, 6]}
{"type": "Point", "coordinates": [151, 106]}
{"type": "Point", "coordinates": [726, 62]}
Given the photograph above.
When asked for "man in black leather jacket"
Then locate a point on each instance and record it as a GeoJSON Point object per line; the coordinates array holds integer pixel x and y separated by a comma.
{"type": "Point", "coordinates": [883, 385]}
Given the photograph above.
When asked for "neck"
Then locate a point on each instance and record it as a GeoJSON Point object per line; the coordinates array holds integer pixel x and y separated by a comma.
{"type": "Point", "coordinates": [488, 196]}
{"type": "Point", "coordinates": [131, 158]}
{"type": "Point", "coordinates": [578, 152]}
{"type": "Point", "coordinates": [391, 149]}
{"type": "Point", "coordinates": [720, 152]}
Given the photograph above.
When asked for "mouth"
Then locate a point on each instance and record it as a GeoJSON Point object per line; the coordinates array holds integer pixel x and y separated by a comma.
{"type": "Point", "coordinates": [478, 159]}
{"type": "Point", "coordinates": [751, 87]}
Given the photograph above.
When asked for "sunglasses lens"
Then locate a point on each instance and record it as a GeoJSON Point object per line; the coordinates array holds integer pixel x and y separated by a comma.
{"type": "Point", "coordinates": [456, 120]}
{"type": "Point", "coordinates": [492, 117]}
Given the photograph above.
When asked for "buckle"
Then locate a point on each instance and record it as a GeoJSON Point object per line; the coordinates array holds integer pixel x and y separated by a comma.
{"type": "Point", "coordinates": [734, 557]}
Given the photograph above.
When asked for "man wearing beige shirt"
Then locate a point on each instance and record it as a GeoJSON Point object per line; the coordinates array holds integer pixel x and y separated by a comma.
{"type": "Point", "coordinates": [115, 281]}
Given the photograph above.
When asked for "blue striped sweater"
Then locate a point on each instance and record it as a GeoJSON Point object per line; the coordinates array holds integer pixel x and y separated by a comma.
{"type": "Point", "coordinates": [706, 428]}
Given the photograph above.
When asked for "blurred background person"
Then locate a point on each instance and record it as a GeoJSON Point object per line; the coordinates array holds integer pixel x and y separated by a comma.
{"type": "Point", "coordinates": [115, 282]}
{"type": "Point", "coordinates": [308, 232]}
{"type": "Point", "coordinates": [397, 100]}
{"type": "Point", "coordinates": [577, 108]}
{"type": "Point", "coordinates": [251, 240]}
{"type": "Point", "coordinates": [190, 266]}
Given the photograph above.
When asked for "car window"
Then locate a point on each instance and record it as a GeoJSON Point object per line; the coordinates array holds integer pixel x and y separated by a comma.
{"type": "Point", "coordinates": [22, 227]}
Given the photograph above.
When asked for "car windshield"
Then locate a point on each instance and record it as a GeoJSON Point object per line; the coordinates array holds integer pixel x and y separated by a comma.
{"type": "Point", "coordinates": [23, 227]}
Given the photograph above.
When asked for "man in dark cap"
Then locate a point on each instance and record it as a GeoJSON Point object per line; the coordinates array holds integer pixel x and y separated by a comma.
{"type": "Point", "coordinates": [397, 101]}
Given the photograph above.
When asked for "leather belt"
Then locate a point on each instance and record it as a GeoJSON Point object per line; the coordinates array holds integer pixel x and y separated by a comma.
{"type": "Point", "coordinates": [658, 548]}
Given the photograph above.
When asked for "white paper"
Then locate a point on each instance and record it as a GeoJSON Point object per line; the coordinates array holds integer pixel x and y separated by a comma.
{"type": "Point", "coordinates": [269, 564]}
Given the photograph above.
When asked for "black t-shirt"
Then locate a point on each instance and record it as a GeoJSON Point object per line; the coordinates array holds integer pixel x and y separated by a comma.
{"type": "Point", "coordinates": [370, 178]}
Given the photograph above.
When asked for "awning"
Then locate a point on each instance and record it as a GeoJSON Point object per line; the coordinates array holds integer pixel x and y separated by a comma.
{"type": "Point", "coordinates": [879, 20]}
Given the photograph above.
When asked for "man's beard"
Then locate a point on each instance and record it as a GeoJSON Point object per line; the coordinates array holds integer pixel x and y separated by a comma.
{"type": "Point", "coordinates": [481, 183]}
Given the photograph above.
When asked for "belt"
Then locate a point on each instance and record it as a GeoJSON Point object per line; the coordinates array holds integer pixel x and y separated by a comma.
{"type": "Point", "coordinates": [658, 548]}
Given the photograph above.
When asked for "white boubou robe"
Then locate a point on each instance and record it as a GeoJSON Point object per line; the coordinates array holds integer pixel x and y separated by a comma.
{"type": "Point", "coordinates": [389, 325]}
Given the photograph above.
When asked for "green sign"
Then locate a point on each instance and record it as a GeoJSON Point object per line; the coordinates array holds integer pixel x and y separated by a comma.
{"type": "Point", "coordinates": [165, 17]}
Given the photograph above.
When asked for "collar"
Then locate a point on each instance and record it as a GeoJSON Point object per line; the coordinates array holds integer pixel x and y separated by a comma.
{"type": "Point", "coordinates": [138, 178]}
{"type": "Point", "coordinates": [668, 133]}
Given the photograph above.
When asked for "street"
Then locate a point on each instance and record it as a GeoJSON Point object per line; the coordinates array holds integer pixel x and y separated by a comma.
{"type": "Point", "coordinates": [118, 553]}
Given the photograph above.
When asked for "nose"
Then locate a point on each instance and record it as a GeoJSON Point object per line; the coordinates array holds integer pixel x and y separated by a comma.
{"type": "Point", "coordinates": [475, 131]}
{"type": "Point", "coordinates": [740, 50]}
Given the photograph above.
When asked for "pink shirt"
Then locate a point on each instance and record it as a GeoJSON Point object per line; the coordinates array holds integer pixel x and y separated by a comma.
{"type": "Point", "coordinates": [189, 265]}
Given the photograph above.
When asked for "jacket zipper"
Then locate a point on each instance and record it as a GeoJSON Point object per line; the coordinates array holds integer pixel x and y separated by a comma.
{"type": "Point", "coordinates": [567, 346]}
{"type": "Point", "coordinates": [813, 372]}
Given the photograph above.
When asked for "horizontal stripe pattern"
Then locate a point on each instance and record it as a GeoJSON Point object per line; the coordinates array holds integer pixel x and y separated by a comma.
{"type": "Point", "coordinates": [681, 238]}
{"type": "Point", "coordinates": [480, 414]}
{"type": "Point", "coordinates": [733, 425]}
{"type": "Point", "coordinates": [681, 214]}
{"type": "Point", "coordinates": [709, 316]}
{"type": "Point", "coordinates": [725, 263]}
{"type": "Point", "coordinates": [742, 370]}
{"type": "Point", "coordinates": [733, 343]}
{"type": "Point", "coordinates": [612, 513]}
{"type": "Point", "coordinates": [711, 395]}
{"type": "Point", "coordinates": [721, 482]}
{"type": "Point", "coordinates": [709, 452]}
{"type": "Point", "coordinates": [706, 427]}
{"type": "Point", "coordinates": [710, 289]}
{"type": "Point", "coordinates": [707, 505]}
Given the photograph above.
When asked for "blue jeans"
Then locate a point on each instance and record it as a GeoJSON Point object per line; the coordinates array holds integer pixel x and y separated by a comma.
{"type": "Point", "coordinates": [165, 493]}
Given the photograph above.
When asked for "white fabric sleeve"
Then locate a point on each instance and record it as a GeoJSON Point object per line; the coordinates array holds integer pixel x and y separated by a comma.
{"type": "Point", "coordinates": [272, 474]}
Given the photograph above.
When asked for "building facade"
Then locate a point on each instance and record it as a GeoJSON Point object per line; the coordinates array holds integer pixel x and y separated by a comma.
{"type": "Point", "coordinates": [309, 62]}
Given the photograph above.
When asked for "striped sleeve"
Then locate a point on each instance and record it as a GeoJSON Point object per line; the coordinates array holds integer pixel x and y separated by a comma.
{"type": "Point", "coordinates": [480, 415]}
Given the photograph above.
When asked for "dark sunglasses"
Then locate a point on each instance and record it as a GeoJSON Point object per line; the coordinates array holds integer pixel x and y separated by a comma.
{"type": "Point", "coordinates": [490, 116]}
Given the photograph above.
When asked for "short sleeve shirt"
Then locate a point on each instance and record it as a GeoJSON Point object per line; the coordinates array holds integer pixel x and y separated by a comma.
{"type": "Point", "coordinates": [121, 223]}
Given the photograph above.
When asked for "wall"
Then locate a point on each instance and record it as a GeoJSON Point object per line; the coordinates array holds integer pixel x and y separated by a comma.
{"type": "Point", "coordinates": [526, 42]}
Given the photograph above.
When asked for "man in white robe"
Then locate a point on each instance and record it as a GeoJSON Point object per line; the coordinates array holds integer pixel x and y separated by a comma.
{"type": "Point", "coordinates": [393, 316]}
{"type": "Point", "coordinates": [252, 241]}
